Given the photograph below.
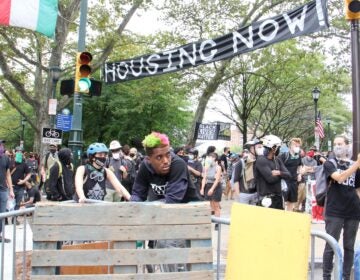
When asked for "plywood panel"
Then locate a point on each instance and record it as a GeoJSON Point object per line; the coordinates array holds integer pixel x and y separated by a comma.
{"type": "Point", "coordinates": [267, 244]}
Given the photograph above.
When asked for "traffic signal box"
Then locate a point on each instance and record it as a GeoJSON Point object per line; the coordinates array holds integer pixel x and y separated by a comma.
{"type": "Point", "coordinates": [352, 9]}
{"type": "Point", "coordinates": [83, 71]}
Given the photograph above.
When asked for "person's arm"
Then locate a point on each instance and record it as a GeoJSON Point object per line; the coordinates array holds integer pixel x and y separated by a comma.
{"type": "Point", "coordinates": [110, 176]}
{"type": "Point", "coordinates": [341, 177]}
{"type": "Point", "coordinates": [237, 177]}
{"type": "Point", "coordinates": [141, 187]}
{"type": "Point", "coordinates": [194, 171]}
{"type": "Point", "coordinates": [265, 170]}
{"type": "Point", "coordinates": [284, 172]}
{"type": "Point", "coordinates": [9, 183]}
{"type": "Point", "coordinates": [27, 176]}
{"type": "Point", "coordinates": [79, 183]}
{"type": "Point", "coordinates": [203, 181]}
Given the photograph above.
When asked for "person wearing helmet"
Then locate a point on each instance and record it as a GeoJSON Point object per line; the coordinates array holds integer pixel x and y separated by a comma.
{"type": "Point", "coordinates": [162, 175]}
{"type": "Point", "coordinates": [269, 170]}
{"type": "Point", "coordinates": [244, 179]}
{"type": "Point", "coordinates": [115, 164]}
{"type": "Point", "coordinates": [90, 178]}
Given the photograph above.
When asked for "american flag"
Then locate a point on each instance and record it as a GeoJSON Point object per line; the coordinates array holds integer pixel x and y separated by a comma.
{"type": "Point", "coordinates": [319, 127]}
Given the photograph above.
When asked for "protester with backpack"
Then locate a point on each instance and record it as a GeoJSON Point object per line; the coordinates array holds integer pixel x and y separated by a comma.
{"type": "Point", "coordinates": [342, 205]}
{"type": "Point", "coordinates": [244, 179]}
{"type": "Point", "coordinates": [60, 184]}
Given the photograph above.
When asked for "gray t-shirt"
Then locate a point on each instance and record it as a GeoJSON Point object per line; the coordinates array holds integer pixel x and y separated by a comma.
{"type": "Point", "coordinates": [4, 166]}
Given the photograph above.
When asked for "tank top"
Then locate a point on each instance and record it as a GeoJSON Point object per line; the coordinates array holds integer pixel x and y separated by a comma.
{"type": "Point", "coordinates": [94, 183]}
{"type": "Point", "coordinates": [210, 174]}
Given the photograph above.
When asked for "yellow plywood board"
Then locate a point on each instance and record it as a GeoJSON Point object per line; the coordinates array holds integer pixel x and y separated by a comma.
{"type": "Point", "coordinates": [267, 244]}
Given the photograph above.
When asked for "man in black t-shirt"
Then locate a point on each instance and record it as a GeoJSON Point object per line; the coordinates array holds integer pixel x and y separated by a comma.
{"type": "Point", "coordinates": [20, 174]}
{"type": "Point", "coordinates": [342, 206]}
{"type": "Point", "coordinates": [162, 174]}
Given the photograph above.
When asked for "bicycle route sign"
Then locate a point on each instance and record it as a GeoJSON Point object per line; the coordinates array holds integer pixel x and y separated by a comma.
{"type": "Point", "coordinates": [51, 136]}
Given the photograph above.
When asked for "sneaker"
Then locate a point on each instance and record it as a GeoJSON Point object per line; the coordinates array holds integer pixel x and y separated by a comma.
{"type": "Point", "coordinates": [6, 240]}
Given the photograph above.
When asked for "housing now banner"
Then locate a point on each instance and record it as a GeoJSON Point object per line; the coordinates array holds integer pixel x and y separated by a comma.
{"type": "Point", "coordinates": [309, 18]}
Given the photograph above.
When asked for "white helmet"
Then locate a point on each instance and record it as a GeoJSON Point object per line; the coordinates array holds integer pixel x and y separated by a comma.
{"type": "Point", "coordinates": [271, 141]}
{"type": "Point", "coordinates": [114, 145]}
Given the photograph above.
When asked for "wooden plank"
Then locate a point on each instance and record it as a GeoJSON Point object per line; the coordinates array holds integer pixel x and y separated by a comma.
{"type": "Point", "coordinates": [45, 269]}
{"type": "Point", "coordinates": [201, 244]}
{"type": "Point", "coordinates": [94, 269]}
{"type": "Point", "coordinates": [121, 256]}
{"type": "Point", "coordinates": [191, 275]}
{"type": "Point", "coordinates": [129, 213]}
{"type": "Point", "coordinates": [125, 269]}
{"type": "Point", "coordinates": [120, 232]}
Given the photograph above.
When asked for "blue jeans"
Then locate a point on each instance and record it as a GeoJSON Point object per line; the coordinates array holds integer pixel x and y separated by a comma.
{"type": "Point", "coordinates": [333, 226]}
{"type": "Point", "coordinates": [3, 201]}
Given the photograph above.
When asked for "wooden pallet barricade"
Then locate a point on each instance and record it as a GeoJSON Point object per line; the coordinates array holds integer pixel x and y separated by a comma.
{"type": "Point", "coordinates": [121, 225]}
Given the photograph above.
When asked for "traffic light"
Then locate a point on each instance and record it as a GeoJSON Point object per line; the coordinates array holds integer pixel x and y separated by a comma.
{"type": "Point", "coordinates": [352, 9]}
{"type": "Point", "coordinates": [67, 87]}
{"type": "Point", "coordinates": [83, 71]}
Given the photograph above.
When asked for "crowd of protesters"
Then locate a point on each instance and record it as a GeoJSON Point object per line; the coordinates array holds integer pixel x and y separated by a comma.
{"type": "Point", "coordinates": [260, 175]}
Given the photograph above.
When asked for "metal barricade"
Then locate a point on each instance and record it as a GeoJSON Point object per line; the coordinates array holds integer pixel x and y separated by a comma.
{"type": "Point", "coordinates": [314, 233]}
{"type": "Point", "coordinates": [11, 250]}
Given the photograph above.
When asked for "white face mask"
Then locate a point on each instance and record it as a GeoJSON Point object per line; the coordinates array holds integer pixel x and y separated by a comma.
{"type": "Point", "coordinates": [116, 156]}
{"type": "Point", "coordinates": [191, 157]}
{"type": "Point", "coordinates": [340, 151]}
{"type": "Point", "coordinates": [296, 150]}
{"type": "Point", "coordinates": [259, 151]}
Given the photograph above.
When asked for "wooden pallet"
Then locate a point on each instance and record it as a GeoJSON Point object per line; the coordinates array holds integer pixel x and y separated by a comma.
{"type": "Point", "coordinates": [118, 226]}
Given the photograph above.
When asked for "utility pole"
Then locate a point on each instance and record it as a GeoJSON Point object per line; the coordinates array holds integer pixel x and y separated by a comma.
{"type": "Point", "coordinates": [76, 133]}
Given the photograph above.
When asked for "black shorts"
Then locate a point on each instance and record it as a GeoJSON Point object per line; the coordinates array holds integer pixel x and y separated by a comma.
{"type": "Point", "coordinates": [216, 196]}
{"type": "Point", "coordinates": [292, 192]}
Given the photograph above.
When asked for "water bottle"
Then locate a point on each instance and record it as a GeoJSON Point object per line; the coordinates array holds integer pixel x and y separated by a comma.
{"type": "Point", "coordinates": [10, 204]}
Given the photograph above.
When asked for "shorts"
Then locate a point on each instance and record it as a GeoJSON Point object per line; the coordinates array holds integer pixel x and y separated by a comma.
{"type": "Point", "coordinates": [217, 194]}
{"type": "Point", "coordinates": [292, 191]}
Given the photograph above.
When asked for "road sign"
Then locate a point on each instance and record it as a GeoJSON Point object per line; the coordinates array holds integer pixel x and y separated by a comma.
{"type": "Point", "coordinates": [51, 136]}
{"type": "Point", "coordinates": [63, 122]}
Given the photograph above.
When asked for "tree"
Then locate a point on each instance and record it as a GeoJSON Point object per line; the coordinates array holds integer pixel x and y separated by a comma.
{"type": "Point", "coordinates": [25, 56]}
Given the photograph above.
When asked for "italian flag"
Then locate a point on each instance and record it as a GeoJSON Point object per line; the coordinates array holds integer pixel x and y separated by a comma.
{"type": "Point", "coordinates": [37, 15]}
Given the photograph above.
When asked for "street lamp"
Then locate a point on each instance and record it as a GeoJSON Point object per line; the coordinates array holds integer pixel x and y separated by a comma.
{"type": "Point", "coordinates": [328, 133]}
{"type": "Point", "coordinates": [23, 121]}
{"type": "Point", "coordinates": [316, 94]}
{"type": "Point", "coordinates": [55, 72]}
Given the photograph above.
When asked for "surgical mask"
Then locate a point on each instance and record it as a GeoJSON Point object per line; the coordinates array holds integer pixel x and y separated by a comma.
{"type": "Point", "coordinates": [340, 151]}
{"type": "Point", "coordinates": [259, 151]}
{"type": "Point", "coordinates": [191, 157]}
{"type": "Point", "coordinates": [296, 150]}
{"type": "Point", "coordinates": [116, 155]}
{"type": "Point", "coordinates": [210, 161]}
{"type": "Point", "coordinates": [100, 161]}
{"type": "Point", "coordinates": [18, 157]}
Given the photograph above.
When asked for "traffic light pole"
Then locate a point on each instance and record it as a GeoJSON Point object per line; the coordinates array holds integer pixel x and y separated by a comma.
{"type": "Point", "coordinates": [355, 61]}
{"type": "Point", "coordinates": [76, 133]}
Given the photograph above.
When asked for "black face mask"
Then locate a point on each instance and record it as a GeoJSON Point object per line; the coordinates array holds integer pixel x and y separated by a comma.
{"type": "Point", "coordinates": [100, 161]}
{"type": "Point", "coordinates": [132, 155]}
{"type": "Point", "coordinates": [277, 151]}
{"type": "Point", "coordinates": [53, 151]}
